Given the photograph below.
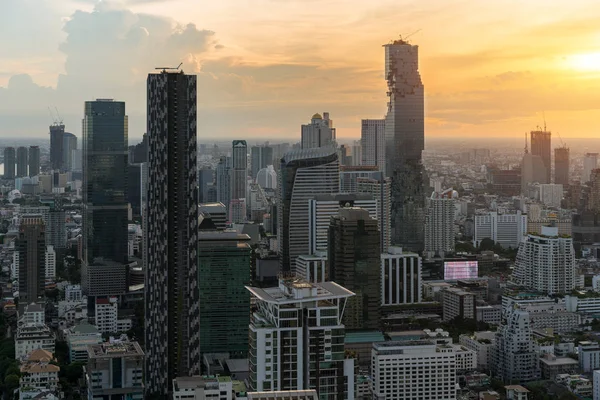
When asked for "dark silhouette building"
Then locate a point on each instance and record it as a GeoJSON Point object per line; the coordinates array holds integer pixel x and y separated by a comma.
{"type": "Point", "coordinates": [172, 326]}
{"type": "Point", "coordinates": [57, 132]}
{"type": "Point", "coordinates": [260, 157]}
{"type": "Point", "coordinates": [22, 162]}
{"type": "Point", "coordinates": [31, 247]}
{"type": "Point", "coordinates": [355, 263]}
{"type": "Point", "coordinates": [561, 165]}
{"type": "Point", "coordinates": [541, 145]}
{"type": "Point", "coordinates": [139, 152]}
{"type": "Point", "coordinates": [134, 188]}
{"type": "Point", "coordinates": [9, 162]}
{"type": "Point", "coordinates": [34, 160]}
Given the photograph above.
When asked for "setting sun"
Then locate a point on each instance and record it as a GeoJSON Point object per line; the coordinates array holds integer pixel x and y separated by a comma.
{"type": "Point", "coordinates": [585, 62]}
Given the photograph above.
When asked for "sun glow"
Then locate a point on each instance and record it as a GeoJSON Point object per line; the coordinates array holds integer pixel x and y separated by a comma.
{"type": "Point", "coordinates": [585, 62]}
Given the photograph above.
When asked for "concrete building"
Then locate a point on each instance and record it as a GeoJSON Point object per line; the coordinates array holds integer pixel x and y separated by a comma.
{"type": "Point", "coordinates": [489, 314]}
{"type": "Point", "coordinates": [380, 189]}
{"type": "Point", "coordinates": [304, 174]}
{"type": "Point", "coordinates": [33, 336]}
{"type": "Point", "coordinates": [372, 140]}
{"type": "Point", "coordinates": [552, 366]}
{"type": "Point", "coordinates": [350, 174]}
{"type": "Point", "coordinates": [481, 343]}
{"type": "Point", "coordinates": [546, 262]}
{"type": "Point", "coordinates": [203, 388]}
{"type": "Point", "coordinates": [533, 171]}
{"type": "Point", "coordinates": [541, 145]}
{"type": "Point", "coordinates": [585, 304]}
{"type": "Point", "coordinates": [34, 160]}
{"type": "Point", "coordinates": [10, 160]}
{"type": "Point", "coordinates": [260, 157]}
{"type": "Point", "coordinates": [322, 207]}
{"type": "Point", "coordinates": [596, 378]}
{"type": "Point", "coordinates": [223, 180]}
{"type": "Point", "coordinates": [561, 165]}
{"type": "Point", "coordinates": [508, 230]}
{"type": "Point", "coordinates": [69, 145]}
{"type": "Point", "coordinates": [458, 303]}
{"type": "Point", "coordinates": [354, 262]}
{"type": "Point", "coordinates": [114, 370]}
{"type": "Point", "coordinates": [551, 194]}
{"type": "Point", "coordinates": [267, 177]}
{"type": "Point", "coordinates": [590, 163]}
{"type": "Point", "coordinates": [31, 247]}
{"type": "Point", "coordinates": [38, 375]}
{"type": "Point", "coordinates": [399, 368]}
{"type": "Point", "coordinates": [22, 162]}
{"type": "Point", "coordinates": [285, 395]}
{"type": "Point", "coordinates": [439, 223]}
{"type": "Point", "coordinates": [103, 278]}
{"type": "Point", "coordinates": [312, 267]}
{"type": "Point", "coordinates": [319, 133]}
{"type": "Point", "coordinates": [107, 314]}
{"type": "Point", "coordinates": [217, 212]}
{"type": "Point", "coordinates": [401, 281]}
{"type": "Point", "coordinates": [300, 322]}
{"type": "Point", "coordinates": [589, 356]}
{"type": "Point", "coordinates": [239, 170]}
{"type": "Point", "coordinates": [78, 338]}
{"type": "Point", "coordinates": [50, 264]}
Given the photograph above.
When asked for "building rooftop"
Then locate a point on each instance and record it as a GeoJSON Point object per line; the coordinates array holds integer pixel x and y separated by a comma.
{"type": "Point", "coordinates": [40, 355]}
{"type": "Point", "coordinates": [364, 337]}
{"type": "Point", "coordinates": [237, 364]}
{"type": "Point", "coordinates": [197, 381]}
{"type": "Point", "coordinates": [305, 154]}
{"type": "Point", "coordinates": [228, 235]}
{"type": "Point", "coordinates": [516, 388]}
{"type": "Point", "coordinates": [343, 197]}
{"type": "Point", "coordinates": [85, 328]}
{"type": "Point", "coordinates": [559, 361]}
{"type": "Point", "coordinates": [114, 349]}
{"type": "Point", "coordinates": [300, 290]}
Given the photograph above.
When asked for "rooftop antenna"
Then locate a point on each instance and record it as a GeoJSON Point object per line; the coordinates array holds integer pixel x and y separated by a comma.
{"type": "Point", "coordinates": [164, 69]}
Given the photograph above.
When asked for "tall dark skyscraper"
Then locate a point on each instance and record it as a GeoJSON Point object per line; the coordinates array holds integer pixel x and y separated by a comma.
{"type": "Point", "coordinates": [239, 172]}
{"type": "Point", "coordinates": [561, 165]}
{"type": "Point", "coordinates": [9, 162]}
{"type": "Point", "coordinates": [223, 181]}
{"type": "Point", "coordinates": [541, 145]}
{"type": "Point", "coordinates": [261, 157]}
{"type": "Point", "coordinates": [22, 162]}
{"type": "Point", "coordinates": [34, 160]}
{"type": "Point", "coordinates": [105, 181]}
{"type": "Point", "coordinates": [171, 298]}
{"type": "Point", "coordinates": [405, 141]}
{"type": "Point", "coordinates": [354, 262]}
{"type": "Point", "coordinates": [206, 179]}
{"type": "Point", "coordinates": [31, 247]}
{"type": "Point", "coordinates": [57, 132]}
{"type": "Point", "coordinates": [69, 144]}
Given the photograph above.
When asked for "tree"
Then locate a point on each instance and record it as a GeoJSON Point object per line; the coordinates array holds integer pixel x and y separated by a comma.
{"type": "Point", "coordinates": [466, 247]}
{"type": "Point", "coordinates": [11, 382]}
{"type": "Point", "coordinates": [486, 245]}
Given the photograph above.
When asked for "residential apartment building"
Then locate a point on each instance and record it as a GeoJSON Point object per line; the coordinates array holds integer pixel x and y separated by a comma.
{"type": "Point", "coordinates": [380, 188]}
{"type": "Point", "coordinates": [372, 140]}
{"type": "Point", "coordinates": [458, 303]}
{"type": "Point", "coordinates": [589, 356]}
{"type": "Point", "coordinates": [401, 281]}
{"type": "Point", "coordinates": [508, 230]}
{"type": "Point", "coordinates": [38, 375]}
{"type": "Point", "coordinates": [202, 388]}
{"type": "Point", "coordinates": [481, 343]}
{"type": "Point", "coordinates": [439, 223]}
{"type": "Point", "coordinates": [319, 133]}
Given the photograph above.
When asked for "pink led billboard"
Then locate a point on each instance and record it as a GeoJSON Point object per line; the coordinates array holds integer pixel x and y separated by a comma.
{"type": "Point", "coordinates": [460, 270]}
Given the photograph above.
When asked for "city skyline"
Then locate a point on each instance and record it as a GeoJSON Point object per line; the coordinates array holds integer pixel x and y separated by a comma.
{"type": "Point", "coordinates": [492, 80]}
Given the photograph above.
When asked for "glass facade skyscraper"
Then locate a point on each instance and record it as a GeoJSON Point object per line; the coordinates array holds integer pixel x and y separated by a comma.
{"type": "Point", "coordinates": [9, 162]}
{"type": "Point", "coordinates": [223, 272]}
{"type": "Point", "coordinates": [105, 181]}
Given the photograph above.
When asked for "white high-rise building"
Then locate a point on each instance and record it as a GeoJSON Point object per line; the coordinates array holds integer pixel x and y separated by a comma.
{"type": "Point", "coordinates": [508, 230]}
{"type": "Point", "coordinates": [324, 206]}
{"type": "Point", "coordinates": [590, 163]}
{"type": "Point", "coordinates": [551, 194]}
{"type": "Point", "coordinates": [417, 369]}
{"type": "Point", "coordinates": [267, 178]}
{"type": "Point", "coordinates": [372, 138]}
{"type": "Point", "coordinates": [401, 281]}
{"type": "Point", "coordinates": [380, 188]}
{"type": "Point", "coordinates": [357, 152]}
{"type": "Point", "coordinates": [439, 223]}
{"type": "Point", "coordinates": [297, 339]}
{"type": "Point", "coordinates": [106, 315]}
{"type": "Point", "coordinates": [50, 266]}
{"type": "Point", "coordinates": [319, 133]}
{"type": "Point", "coordinates": [514, 356]}
{"type": "Point", "coordinates": [546, 262]}
{"type": "Point", "coordinates": [312, 267]}
{"type": "Point", "coordinates": [597, 385]}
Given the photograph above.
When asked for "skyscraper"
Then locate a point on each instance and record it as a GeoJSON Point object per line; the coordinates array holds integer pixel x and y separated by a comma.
{"type": "Point", "coordinates": [223, 181]}
{"type": "Point", "coordinates": [34, 160]}
{"type": "Point", "coordinates": [22, 162]}
{"type": "Point", "coordinates": [69, 144]}
{"type": "Point", "coordinates": [261, 157]}
{"type": "Point", "coordinates": [171, 289]}
{"type": "Point", "coordinates": [439, 223]}
{"type": "Point", "coordinates": [57, 132]}
{"type": "Point", "coordinates": [590, 163]}
{"type": "Point", "coordinates": [31, 246]}
{"type": "Point", "coordinates": [354, 262]}
{"type": "Point", "coordinates": [320, 132]}
{"type": "Point", "coordinates": [546, 262]}
{"type": "Point", "coordinates": [105, 181]}
{"type": "Point", "coordinates": [304, 174]}
{"type": "Point", "coordinates": [223, 271]}
{"type": "Point", "coordinates": [541, 145]}
{"type": "Point", "coordinates": [380, 188]}
{"type": "Point", "coordinates": [239, 172]}
{"type": "Point", "coordinates": [561, 165]}
{"type": "Point", "coordinates": [405, 141]}
{"type": "Point", "coordinates": [372, 138]}
{"type": "Point", "coordinates": [9, 162]}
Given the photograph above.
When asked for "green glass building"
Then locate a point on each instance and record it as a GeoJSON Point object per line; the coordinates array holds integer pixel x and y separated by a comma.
{"type": "Point", "coordinates": [223, 273]}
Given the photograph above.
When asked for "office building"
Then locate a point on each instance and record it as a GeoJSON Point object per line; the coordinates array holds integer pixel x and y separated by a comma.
{"type": "Point", "coordinates": [171, 287]}
{"type": "Point", "coordinates": [107, 316]}
{"type": "Point", "coordinates": [223, 180]}
{"type": "Point", "coordinates": [458, 303]}
{"type": "Point", "coordinates": [54, 216]}
{"type": "Point", "coordinates": [22, 162]}
{"type": "Point", "coordinates": [217, 212]}
{"type": "Point", "coordinates": [354, 262]}
{"type": "Point", "coordinates": [260, 157]}
{"type": "Point", "coordinates": [439, 223]}
{"type": "Point", "coordinates": [69, 144]}
{"type": "Point", "coordinates": [206, 179]}
{"type": "Point", "coordinates": [223, 270]}
{"type": "Point", "coordinates": [31, 247]}
{"type": "Point", "coordinates": [380, 188]}
{"type": "Point", "coordinates": [324, 206]}
{"type": "Point", "coordinates": [115, 370]}
{"type": "Point", "coordinates": [401, 281]}
{"type": "Point", "coordinates": [297, 339]}
{"type": "Point", "coordinates": [413, 369]}
{"type": "Point", "coordinates": [134, 189]}
{"type": "Point", "coordinates": [319, 133]}
{"type": "Point", "coordinates": [239, 171]}
{"type": "Point", "coordinates": [349, 176]}
{"type": "Point", "coordinates": [105, 188]}
{"type": "Point", "coordinates": [77, 160]}
{"type": "Point", "coordinates": [267, 178]}
{"type": "Point", "coordinates": [312, 267]}
{"type": "Point", "coordinates": [357, 153]}
{"type": "Point", "coordinates": [34, 160]}
{"type": "Point", "coordinates": [303, 174]}
{"type": "Point", "coordinates": [514, 356]}
{"type": "Point", "coordinates": [103, 278]}
{"type": "Point", "coordinates": [590, 163]}
{"type": "Point", "coordinates": [57, 131]}
{"type": "Point", "coordinates": [372, 140]}
{"type": "Point", "coordinates": [541, 145]}
{"type": "Point", "coordinates": [546, 262]}
{"type": "Point", "coordinates": [551, 194]}
{"type": "Point", "coordinates": [562, 169]}
{"type": "Point", "coordinates": [508, 230]}
{"type": "Point", "coordinates": [208, 387]}
{"type": "Point", "coordinates": [405, 141]}
{"type": "Point", "coordinates": [10, 160]}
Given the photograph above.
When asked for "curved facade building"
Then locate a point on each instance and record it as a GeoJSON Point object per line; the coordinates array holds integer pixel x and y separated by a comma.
{"type": "Point", "coordinates": [304, 174]}
{"type": "Point", "coordinates": [267, 178]}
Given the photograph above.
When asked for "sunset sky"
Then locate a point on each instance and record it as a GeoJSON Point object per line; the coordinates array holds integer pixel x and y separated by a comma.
{"type": "Point", "coordinates": [490, 68]}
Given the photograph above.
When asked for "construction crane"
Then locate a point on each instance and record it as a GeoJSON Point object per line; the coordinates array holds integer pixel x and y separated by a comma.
{"type": "Point", "coordinates": [164, 69]}
{"type": "Point", "coordinates": [56, 120]}
{"type": "Point", "coordinates": [404, 39]}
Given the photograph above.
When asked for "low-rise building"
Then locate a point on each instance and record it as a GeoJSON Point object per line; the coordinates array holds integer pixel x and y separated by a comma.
{"type": "Point", "coordinates": [202, 388]}
{"type": "Point", "coordinates": [38, 375]}
{"type": "Point", "coordinates": [589, 356]}
{"type": "Point", "coordinates": [284, 395]}
{"type": "Point", "coordinates": [458, 303]}
{"type": "Point", "coordinates": [78, 338]}
{"type": "Point", "coordinates": [516, 392]}
{"type": "Point", "coordinates": [30, 337]}
{"type": "Point", "coordinates": [489, 314]}
{"type": "Point", "coordinates": [552, 366]}
{"type": "Point", "coordinates": [466, 359]}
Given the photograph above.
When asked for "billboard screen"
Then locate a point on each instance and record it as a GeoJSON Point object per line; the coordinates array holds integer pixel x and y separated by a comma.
{"type": "Point", "coordinates": [460, 270]}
